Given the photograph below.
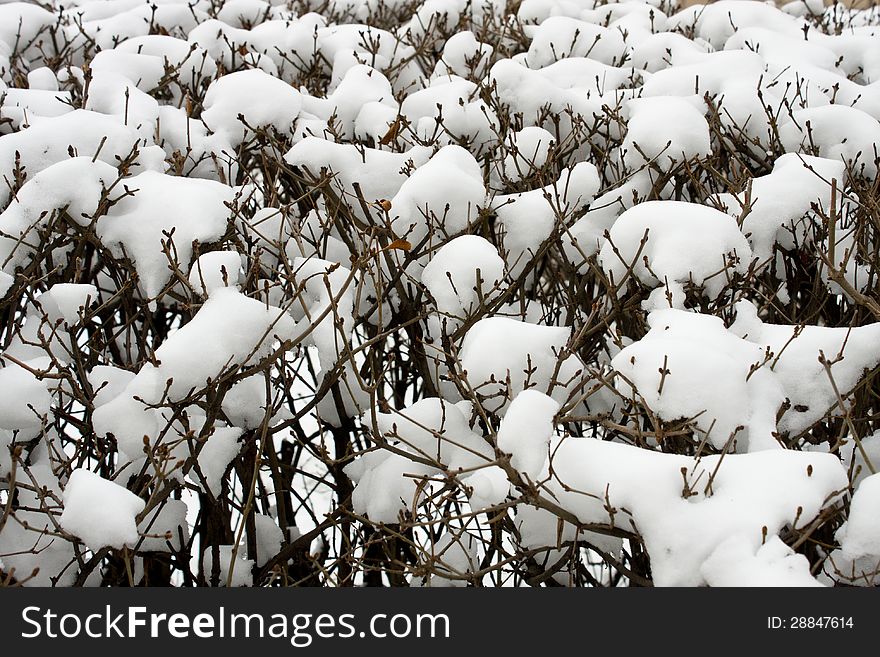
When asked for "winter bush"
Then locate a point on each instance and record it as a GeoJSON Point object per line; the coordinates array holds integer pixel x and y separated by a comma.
{"type": "Point", "coordinates": [441, 293]}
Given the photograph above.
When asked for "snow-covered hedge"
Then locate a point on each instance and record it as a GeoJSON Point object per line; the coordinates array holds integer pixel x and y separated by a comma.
{"type": "Point", "coordinates": [444, 293]}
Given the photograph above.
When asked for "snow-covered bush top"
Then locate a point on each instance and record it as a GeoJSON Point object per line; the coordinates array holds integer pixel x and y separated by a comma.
{"type": "Point", "coordinates": [385, 292]}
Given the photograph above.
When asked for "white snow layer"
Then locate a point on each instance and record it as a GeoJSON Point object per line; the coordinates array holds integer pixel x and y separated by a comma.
{"type": "Point", "coordinates": [471, 191]}
{"type": "Point", "coordinates": [114, 526]}
{"type": "Point", "coordinates": [687, 509]}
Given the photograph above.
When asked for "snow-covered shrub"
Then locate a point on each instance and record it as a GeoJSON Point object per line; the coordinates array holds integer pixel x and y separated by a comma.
{"type": "Point", "coordinates": [441, 293]}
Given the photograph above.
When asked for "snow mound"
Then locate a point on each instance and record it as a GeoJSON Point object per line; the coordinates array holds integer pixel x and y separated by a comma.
{"type": "Point", "coordinates": [684, 352]}
{"type": "Point", "coordinates": [115, 526]}
{"type": "Point", "coordinates": [688, 510]}
{"type": "Point", "coordinates": [444, 194]}
{"type": "Point", "coordinates": [502, 357]}
{"type": "Point", "coordinates": [684, 134]}
{"type": "Point", "coordinates": [241, 102]}
{"type": "Point", "coordinates": [781, 202]}
{"type": "Point", "coordinates": [835, 132]}
{"type": "Point", "coordinates": [526, 430]}
{"type": "Point", "coordinates": [812, 363]}
{"type": "Point", "coordinates": [671, 243]}
{"type": "Point", "coordinates": [463, 273]}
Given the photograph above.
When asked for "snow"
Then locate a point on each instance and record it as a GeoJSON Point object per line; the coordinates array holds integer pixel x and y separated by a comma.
{"type": "Point", "coordinates": [672, 242]}
{"type": "Point", "coordinates": [796, 362]}
{"type": "Point", "coordinates": [22, 106]}
{"type": "Point", "coordinates": [215, 456]}
{"type": "Point", "coordinates": [452, 557]}
{"type": "Point", "coordinates": [667, 129]}
{"type": "Point", "coordinates": [862, 457]}
{"type": "Point", "coordinates": [22, 23]}
{"type": "Point", "coordinates": [377, 172]}
{"type": "Point", "coordinates": [68, 301]}
{"type": "Point", "coordinates": [860, 535]}
{"type": "Point", "coordinates": [684, 352]}
{"type": "Point", "coordinates": [541, 528]}
{"type": "Point", "coordinates": [5, 453]}
{"type": "Point", "coordinates": [326, 303]}
{"type": "Point", "coordinates": [488, 487]}
{"type": "Point", "coordinates": [115, 526]}
{"type": "Point", "coordinates": [269, 539]}
{"type": "Point", "coordinates": [532, 92]}
{"type": "Point", "coordinates": [52, 558]}
{"type": "Point", "coordinates": [258, 98]}
{"type": "Point", "coordinates": [737, 562]}
{"type": "Point", "coordinates": [748, 495]}
{"type": "Point", "coordinates": [446, 193]}
{"type": "Point", "coordinates": [783, 49]}
{"type": "Point", "coordinates": [663, 49]}
{"type": "Point", "coordinates": [529, 150]}
{"type": "Point", "coordinates": [27, 402]}
{"type": "Point", "coordinates": [164, 528]}
{"type": "Point", "coordinates": [385, 485]}
{"type": "Point", "coordinates": [835, 132]}
{"type": "Point", "coordinates": [462, 273]}
{"type": "Point", "coordinates": [200, 154]}
{"type": "Point", "coordinates": [360, 85]}
{"type": "Point", "coordinates": [6, 283]}
{"type": "Point", "coordinates": [108, 382]}
{"type": "Point", "coordinates": [855, 562]}
{"type": "Point", "coordinates": [429, 245]}
{"type": "Point", "coordinates": [700, 73]}
{"type": "Point", "coordinates": [781, 202]}
{"type": "Point", "coordinates": [239, 566]}
{"type": "Point", "coordinates": [227, 332]}
{"type": "Point", "coordinates": [587, 235]}
{"type": "Point", "coordinates": [231, 46]}
{"type": "Point", "coordinates": [526, 430]}
{"type": "Point", "coordinates": [109, 25]}
{"type": "Point", "coordinates": [145, 71]}
{"type": "Point", "coordinates": [214, 270]}
{"type": "Point", "coordinates": [45, 192]}
{"type": "Point", "coordinates": [116, 95]}
{"type": "Point", "coordinates": [162, 210]}
{"type": "Point", "coordinates": [191, 63]}
{"type": "Point", "coordinates": [47, 335]}
{"type": "Point", "coordinates": [228, 329]}
{"type": "Point", "coordinates": [501, 357]}
{"type": "Point", "coordinates": [561, 36]}
{"type": "Point", "coordinates": [241, 13]}
{"type": "Point", "coordinates": [464, 55]}
{"type": "Point", "coordinates": [529, 218]}
{"type": "Point", "coordinates": [450, 112]}
{"type": "Point", "coordinates": [435, 430]}
{"type": "Point", "coordinates": [245, 403]}
{"type": "Point", "coordinates": [717, 22]}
